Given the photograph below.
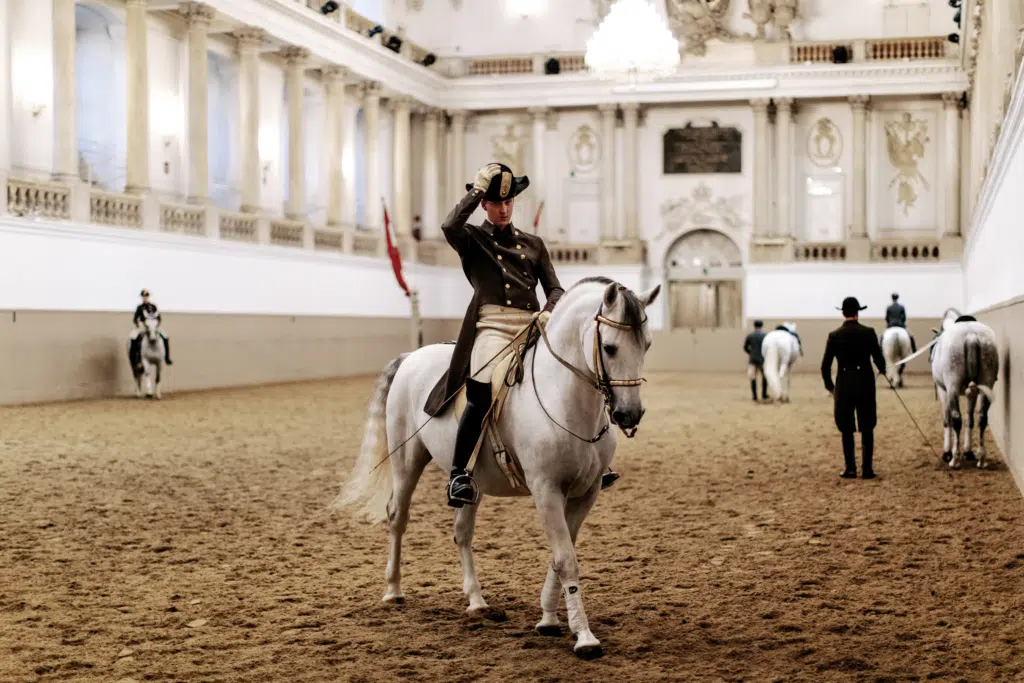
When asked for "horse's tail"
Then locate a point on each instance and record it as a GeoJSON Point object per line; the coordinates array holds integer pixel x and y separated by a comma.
{"type": "Point", "coordinates": [972, 366]}
{"type": "Point", "coordinates": [368, 488]}
{"type": "Point", "coordinates": [772, 361]}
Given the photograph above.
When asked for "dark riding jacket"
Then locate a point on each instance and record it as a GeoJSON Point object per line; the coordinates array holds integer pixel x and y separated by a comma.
{"type": "Point", "coordinates": [896, 315]}
{"type": "Point", "coordinates": [752, 347]}
{"type": "Point", "coordinates": [853, 346]}
{"type": "Point", "coordinates": [146, 309]}
{"type": "Point", "coordinates": [504, 266]}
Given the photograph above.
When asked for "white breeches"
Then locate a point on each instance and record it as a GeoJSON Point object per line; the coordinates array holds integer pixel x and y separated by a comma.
{"type": "Point", "coordinates": [496, 327]}
{"type": "Point", "coordinates": [754, 371]}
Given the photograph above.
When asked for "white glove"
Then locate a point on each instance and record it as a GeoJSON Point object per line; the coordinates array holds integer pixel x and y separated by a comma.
{"type": "Point", "coordinates": [485, 175]}
{"type": "Point", "coordinates": [543, 317]}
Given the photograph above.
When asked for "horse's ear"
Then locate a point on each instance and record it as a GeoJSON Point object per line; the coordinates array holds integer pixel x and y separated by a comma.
{"type": "Point", "coordinates": [648, 297]}
{"type": "Point", "coordinates": [611, 294]}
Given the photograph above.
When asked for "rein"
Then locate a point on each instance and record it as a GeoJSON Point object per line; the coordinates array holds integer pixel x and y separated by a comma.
{"type": "Point", "coordinates": [602, 383]}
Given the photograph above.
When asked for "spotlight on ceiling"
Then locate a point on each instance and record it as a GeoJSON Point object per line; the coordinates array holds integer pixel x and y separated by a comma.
{"type": "Point", "coordinates": [956, 17]}
{"type": "Point", "coordinates": [394, 44]}
{"type": "Point", "coordinates": [328, 7]}
{"type": "Point", "coordinates": [953, 37]}
{"type": "Point", "coordinates": [955, 4]}
{"type": "Point", "coordinates": [375, 30]}
{"type": "Point", "coordinates": [552, 66]}
{"type": "Point", "coordinates": [428, 59]}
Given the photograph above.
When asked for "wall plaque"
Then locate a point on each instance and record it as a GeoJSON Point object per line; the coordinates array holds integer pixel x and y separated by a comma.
{"type": "Point", "coordinates": [702, 149]}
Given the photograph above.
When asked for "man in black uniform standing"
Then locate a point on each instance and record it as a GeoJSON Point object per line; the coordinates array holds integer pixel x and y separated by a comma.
{"type": "Point", "coordinates": [755, 364]}
{"type": "Point", "coordinates": [854, 346]}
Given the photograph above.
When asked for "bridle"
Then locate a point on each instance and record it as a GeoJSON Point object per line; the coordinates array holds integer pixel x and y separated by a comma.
{"type": "Point", "coordinates": [600, 382]}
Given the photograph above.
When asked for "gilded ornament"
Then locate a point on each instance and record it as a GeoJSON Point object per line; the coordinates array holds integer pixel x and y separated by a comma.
{"type": "Point", "coordinates": [824, 143]}
{"type": "Point", "coordinates": [508, 149]}
{"type": "Point", "coordinates": [905, 141]}
{"type": "Point", "coordinates": [584, 149]}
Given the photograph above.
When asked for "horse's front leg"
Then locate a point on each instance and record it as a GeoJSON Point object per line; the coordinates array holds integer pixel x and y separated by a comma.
{"type": "Point", "coordinates": [465, 523]}
{"type": "Point", "coordinates": [550, 596]}
{"type": "Point", "coordinates": [156, 389]}
{"type": "Point", "coordinates": [551, 508]}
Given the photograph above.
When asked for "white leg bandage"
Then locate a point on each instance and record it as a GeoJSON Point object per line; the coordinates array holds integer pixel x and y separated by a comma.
{"type": "Point", "coordinates": [574, 606]}
{"type": "Point", "coordinates": [550, 594]}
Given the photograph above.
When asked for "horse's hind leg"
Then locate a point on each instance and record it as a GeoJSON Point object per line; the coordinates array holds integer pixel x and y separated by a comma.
{"type": "Point", "coordinates": [465, 523]}
{"type": "Point", "coordinates": [982, 426]}
{"type": "Point", "coordinates": [947, 431]}
{"type": "Point", "coordinates": [784, 381]}
{"type": "Point", "coordinates": [550, 596]}
{"type": "Point", "coordinates": [406, 467]}
{"type": "Point", "coordinates": [956, 423]}
{"type": "Point", "coordinates": [967, 446]}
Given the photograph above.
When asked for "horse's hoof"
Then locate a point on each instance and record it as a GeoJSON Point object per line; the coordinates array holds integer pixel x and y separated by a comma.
{"type": "Point", "coordinates": [947, 456]}
{"type": "Point", "coordinates": [478, 612]}
{"type": "Point", "coordinates": [553, 630]}
{"type": "Point", "coordinates": [969, 456]}
{"type": "Point", "coordinates": [588, 648]}
{"type": "Point", "coordinates": [394, 599]}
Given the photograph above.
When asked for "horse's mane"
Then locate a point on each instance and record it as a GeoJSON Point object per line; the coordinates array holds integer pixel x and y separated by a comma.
{"type": "Point", "coordinates": [633, 310]}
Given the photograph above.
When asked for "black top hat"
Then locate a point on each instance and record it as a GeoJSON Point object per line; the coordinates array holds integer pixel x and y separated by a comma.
{"type": "Point", "coordinates": [503, 186]}
{"type": "Point", "coordinates": [144, 292]}
{"type": "Point", "coordinates": [851, 306]}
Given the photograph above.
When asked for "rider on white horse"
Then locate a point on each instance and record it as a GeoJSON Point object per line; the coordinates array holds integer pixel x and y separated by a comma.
{"type": "Point", "coordinates": [504, 266]}
{"type": "Point", "coordinates": [896, 316]}
{"type": "Point", "coordinates": [142, 311]}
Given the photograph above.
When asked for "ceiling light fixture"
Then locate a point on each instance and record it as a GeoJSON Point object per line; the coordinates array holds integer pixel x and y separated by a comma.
{"type": "Point", "coordinates": [632, 44]}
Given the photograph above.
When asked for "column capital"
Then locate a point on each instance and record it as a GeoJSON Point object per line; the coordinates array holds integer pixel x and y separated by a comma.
{"type": "Point", "coordinates": [760, 105]}
{"type": "Point", "coordinates": [630, 106]}
{"type": "Point", "coordinates": [370, 90]}
{"type": "Point", "coordinates": [334, 74]}
{"type": "Point", "coordinates": [136, 3]}
{"type": "Point", "coordinates": [457, 115]}
{"type": "Point", "coordinates": [538, 113]}
{"type": "Point", "coordinates": [250, 37]}
{"type": "Point", "coordinates": [198, 14]}
{"type": "Point", "coordinates": [429, 114]}
{"type": "Point", "coordinates": [552, 119]}
{"type": "Point", "coordinates": [295, 56]}
{"type": "Point", "coordinates": [950, 99]}
{"type": "Point", "coordinates": [784, 102]}
{"type": "Point", "coordinates": [859, 102]}
{"type": "Point", "coordinates": [607, 109]}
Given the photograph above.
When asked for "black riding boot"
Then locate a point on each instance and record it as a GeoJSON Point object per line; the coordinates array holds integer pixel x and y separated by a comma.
{"type": "Point", "coordinates": [134, 356]}
{"type": "Point", "coordinates": [913, 344]}
{"type": "Point", "coordinates": [753, 388]}
{"type": "Point", "coordinates": [167, 351]}
{"type": "Point", "coordinates": [849, 456]}
{"type": "Point", "coordinates": [764, 389]}
{"type": "Point", "coordinates": [867, 446]}
{"type": "Point", "coordinates": [461, 487]}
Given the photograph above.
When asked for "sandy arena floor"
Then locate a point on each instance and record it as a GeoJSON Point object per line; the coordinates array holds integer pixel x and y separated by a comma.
{"type": "Point", "coordinates": [189, 540]}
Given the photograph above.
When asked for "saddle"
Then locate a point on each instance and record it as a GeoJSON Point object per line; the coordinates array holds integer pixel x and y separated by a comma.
{"type": "Point", "coordinates": [508, 372]}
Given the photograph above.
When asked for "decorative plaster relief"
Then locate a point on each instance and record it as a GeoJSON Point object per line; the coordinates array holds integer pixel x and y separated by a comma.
{"type": "Point", "coordinates": [905, 140]}
{"type": "Point", "coordinates": [584, 149]}
{"type": "Point", "coordinates": [698, 21]}
{"type": "Point", "coordinates": [508, 149]}
{"type": "Point", "coordinates": [824, 143]}
{"type": "Point", "coordinates": [700, 210]}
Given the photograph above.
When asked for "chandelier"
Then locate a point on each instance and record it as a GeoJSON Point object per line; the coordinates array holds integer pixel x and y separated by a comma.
{"type": "Point", "coordinates": [632, 44]}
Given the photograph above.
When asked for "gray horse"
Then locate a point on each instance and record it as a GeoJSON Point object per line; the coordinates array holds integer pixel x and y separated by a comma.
{"type": "Point", "coordinates": [965, 361]}
{"type": "Point", "coordinates": [151, 359]}
{"type": "Point", "coordinates": [587, 366]}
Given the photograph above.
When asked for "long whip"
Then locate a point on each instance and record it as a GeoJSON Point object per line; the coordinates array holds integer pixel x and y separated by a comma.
{"type": "Point", "coordinates": [911, 416]}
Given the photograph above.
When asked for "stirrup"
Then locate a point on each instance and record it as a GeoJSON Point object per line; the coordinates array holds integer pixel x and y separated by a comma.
{"type": "Point", "coordinates": [463, 480]}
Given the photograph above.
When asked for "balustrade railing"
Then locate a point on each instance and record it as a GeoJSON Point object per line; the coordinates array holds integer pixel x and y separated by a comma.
{"type": "Point", "coordinates": [179, 218]}
{"type": "Point", "coordinates": [286, 233]}
{"type": "Point", "coordinates": [819, 251]}
{"type": "Point", "coordinates": [906, 251]}
{"type": "Point", "coordinates": [120, 210]}
{"type": "Point", "coordinates": [37, 198]}
{"type": "Point", "coordinates": [239, 227]}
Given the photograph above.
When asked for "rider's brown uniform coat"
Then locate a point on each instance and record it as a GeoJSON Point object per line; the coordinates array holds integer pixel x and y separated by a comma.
{"type": "Point", "coordinates": [504, 267]}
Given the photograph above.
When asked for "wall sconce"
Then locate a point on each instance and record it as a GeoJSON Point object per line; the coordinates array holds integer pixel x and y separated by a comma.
{"type": "Point", "coordinates": [37, 109]}
{"type": "Point", "coordinates": [266, 171]}
{"type": "Point", "coordinates": [168, 141]}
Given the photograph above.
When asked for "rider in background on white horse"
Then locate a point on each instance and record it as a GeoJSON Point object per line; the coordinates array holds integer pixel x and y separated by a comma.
{"type": "Point", "coordinates": [147, 309]}
{"type": "Point", "coordinates": [504, 265]}
{"type": "Point", "coordinates": [896, 316]}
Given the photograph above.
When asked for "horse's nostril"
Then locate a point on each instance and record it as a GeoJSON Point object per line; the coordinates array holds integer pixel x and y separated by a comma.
{"type": "Point", "coordinates": [620, 417]}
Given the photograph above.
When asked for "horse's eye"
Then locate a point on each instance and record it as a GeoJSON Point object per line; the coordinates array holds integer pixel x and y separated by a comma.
{"type": "Point", "coordinates": [610, 350]}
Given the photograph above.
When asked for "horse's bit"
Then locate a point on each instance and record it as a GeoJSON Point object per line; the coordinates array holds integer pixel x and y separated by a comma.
{"type": "Point", "coordinates": [602, 382]}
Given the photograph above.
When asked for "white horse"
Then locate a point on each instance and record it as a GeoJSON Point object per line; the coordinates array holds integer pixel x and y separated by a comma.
{"type": "Point", "coordinates": [781, 348]}
{"type": "Point", "coordinates": [965, 360]}
{"type": "Point", "coordinates": [151, 355]}
{"type": "Point", "coordinates": [895, 347]}
{"type": "Point", "coordinates": [594, 350]}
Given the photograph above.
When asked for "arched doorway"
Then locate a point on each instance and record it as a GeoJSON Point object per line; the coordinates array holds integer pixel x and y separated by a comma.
{"type": "Point", "coordinates": [704, 272]}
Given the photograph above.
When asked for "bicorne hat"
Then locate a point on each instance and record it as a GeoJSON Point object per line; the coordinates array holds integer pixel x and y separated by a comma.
{"type": "Point", "coordinates": [503, 186]}
{"type": "Point", "coordinates": [144, 292]}
{"type": "Point", "coordinates": [851, 306]}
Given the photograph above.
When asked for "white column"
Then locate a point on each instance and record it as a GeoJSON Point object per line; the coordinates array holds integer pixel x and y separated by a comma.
{"type": "Point", "coordinates": [5, 93]}
{"type": "Point", "coordinates": [762, 202]}
{"type": "Point", "coordinates": [137, 96]}
{"type": "Point", "coordinates": [538, 177]}
{"type": "Point", "coordinates": [250, 41]}
{"type": "Point", "coordinates": [65, 89]}
{"type": "Point", "coordinates": [859, 225]}
{"type": "Point", "coordinates": [951, 162]}
{"type": "Point", "coordinates": [607, 171]}
{"type": "Point", "coordinates": [458, 175]}
{"type": "Point", "coordinates": [784, 166]}
{"type": "Point", "coordinates": [371, 121]}
{"type": "Point", "coordinates": [199, 17]}
{"type": "Point", "coordinates": [295, 76]}
{"type": "Point", "coordinates": [630, 112]}
{"type": "Point", "coordinates": [430, 212]}
{"type": "Point", "coordinates": [400, 168]}
{"type": "Point", "coordinates": [335, 79]}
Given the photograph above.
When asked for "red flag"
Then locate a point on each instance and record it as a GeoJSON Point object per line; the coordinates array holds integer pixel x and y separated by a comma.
{"type": "Point", "coordinates": [396, 258]}
{"type": "Point", "coordinates": [536, 219]}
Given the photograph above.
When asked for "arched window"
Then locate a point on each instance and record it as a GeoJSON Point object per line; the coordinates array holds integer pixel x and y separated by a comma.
{"type": "Point", "coordinates": [100, 94]}
{"type": "Point", "coordinates": [222, 113]}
